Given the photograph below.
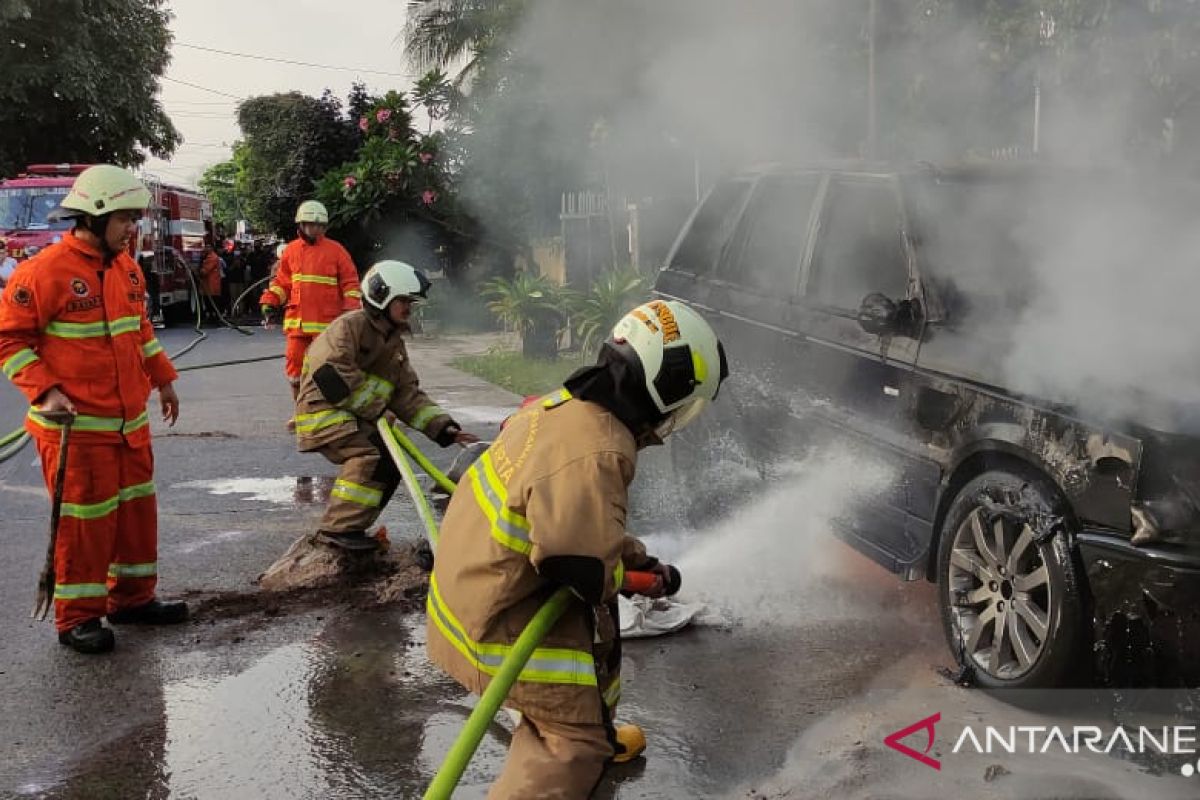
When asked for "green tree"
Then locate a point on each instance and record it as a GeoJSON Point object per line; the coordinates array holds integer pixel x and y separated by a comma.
{"type": "Point", "coordinates": [219, 182]}
{"type": "Point", "coordinates": [290, 140]}
{"type": "Point", "coordinates": [395, 199]}
{"type": "Point", "coordinates": [80, 81]}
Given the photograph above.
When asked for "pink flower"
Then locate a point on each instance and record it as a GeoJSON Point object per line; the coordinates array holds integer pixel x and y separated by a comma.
{"type": "Point", "coordinates": [363, 123]}
{"type": "Point", "coordinates": [425, 157]}
{"type": "Point", "coordinates": [349, 181]}
{"type": "Point", "coordinates": [429, 197]}
{"type": "Point", "coordinates": [382, 115]}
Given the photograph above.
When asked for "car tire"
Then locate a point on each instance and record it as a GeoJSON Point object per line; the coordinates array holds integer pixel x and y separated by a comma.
{"type": "Point", "coordinates": [1005, 565]}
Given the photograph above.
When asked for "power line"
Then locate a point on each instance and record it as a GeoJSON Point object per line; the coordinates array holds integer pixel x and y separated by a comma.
{"type": "Point", "coordinates": [290, 61]}
{"type": "Point", "coordinates": [201, 88]}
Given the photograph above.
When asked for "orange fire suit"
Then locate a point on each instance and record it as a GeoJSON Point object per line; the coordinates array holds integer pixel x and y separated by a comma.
{"type": "Point", "coordinates": [70, 320]}
{"type": "Point", "coordinates": [210, 275]}
{"type": "Point", "coordinates": [315, 283]}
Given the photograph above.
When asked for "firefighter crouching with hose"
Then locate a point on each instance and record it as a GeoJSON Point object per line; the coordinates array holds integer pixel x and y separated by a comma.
{"type": "Point", "coordinates": [75, 339]}
{"type": "Point", "coordinates": [544, 507]}
{"type": "Point", "coordinates": [355, 371]}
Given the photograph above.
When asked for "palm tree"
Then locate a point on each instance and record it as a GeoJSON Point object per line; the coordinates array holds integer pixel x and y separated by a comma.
{"type": "Point", "coordinates": [443, 33]}
{"type": "Point", "coordinates": [612, 295]}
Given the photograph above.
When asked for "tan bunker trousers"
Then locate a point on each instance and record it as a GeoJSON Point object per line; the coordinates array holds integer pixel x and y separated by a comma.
{"type": "Point", "coordinates": [367, 480]}
{"type": "Point", "coordinates": [552, 761]}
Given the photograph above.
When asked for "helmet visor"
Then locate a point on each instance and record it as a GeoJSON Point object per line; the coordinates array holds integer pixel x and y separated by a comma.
{"type": "Point", "coordinates": [681, 417]}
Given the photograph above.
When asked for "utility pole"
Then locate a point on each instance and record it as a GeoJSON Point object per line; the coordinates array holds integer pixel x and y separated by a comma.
{"type": "Point", "coordinates": [871, 119]}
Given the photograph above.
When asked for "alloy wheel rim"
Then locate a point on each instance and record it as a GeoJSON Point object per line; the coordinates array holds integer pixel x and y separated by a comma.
{"type": "Point", "coordinates": [1000, 594]}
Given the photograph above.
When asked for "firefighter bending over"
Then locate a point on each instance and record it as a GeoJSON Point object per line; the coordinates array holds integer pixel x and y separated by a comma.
{"type": "Point", "coordinates": [354, 372]}
{"type": "Point", "coordinates": [315, 282]}
{"type": "Point", "coordinates": [75, 339]}
{"type": "Point", "coordinates": [545, 506]}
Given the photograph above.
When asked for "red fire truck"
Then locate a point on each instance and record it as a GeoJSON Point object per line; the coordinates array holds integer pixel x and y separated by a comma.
{"type": "Point", "coordinates": [171, 240]}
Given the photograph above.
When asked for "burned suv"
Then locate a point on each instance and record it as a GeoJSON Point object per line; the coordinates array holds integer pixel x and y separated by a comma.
{"type": "Point", "coordinates": [889, 310]}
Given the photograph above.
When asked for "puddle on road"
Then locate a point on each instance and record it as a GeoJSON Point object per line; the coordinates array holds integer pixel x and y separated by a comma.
{"type": "Point", "coordinates": [284, 491]}
{"type": "Point", "coordinates": [347, 713]}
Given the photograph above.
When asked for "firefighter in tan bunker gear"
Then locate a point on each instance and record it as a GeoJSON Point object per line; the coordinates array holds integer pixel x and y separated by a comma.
{"type": "Point", "coordinates": [545, 506]}
{"type": "Point", "coordinates": [356, 370]}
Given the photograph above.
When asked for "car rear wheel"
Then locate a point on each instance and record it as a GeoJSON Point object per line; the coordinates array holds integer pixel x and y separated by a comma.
{"type": "Point", "coordinates": [1008, 588]}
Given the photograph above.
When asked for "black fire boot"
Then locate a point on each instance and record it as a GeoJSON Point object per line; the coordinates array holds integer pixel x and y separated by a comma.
{"type": "Point", "coordinates": [356, 541]}
{"type": "Point", "coordinates": [88, 637]}
{"type": "Point", "coordinates": [156, 612]}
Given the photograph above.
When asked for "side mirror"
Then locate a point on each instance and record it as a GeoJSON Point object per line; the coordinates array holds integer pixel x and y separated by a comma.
{"type": "Point", "coordinates": [879, 315]}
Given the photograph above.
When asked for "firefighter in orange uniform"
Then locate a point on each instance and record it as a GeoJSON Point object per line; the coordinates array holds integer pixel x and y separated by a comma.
{"type": "Point", "coordinates": [315, 281]}
{"type": "Point", "coordinates": [74, 338]}
{"type": "Point", "coordinates": [545, 507]}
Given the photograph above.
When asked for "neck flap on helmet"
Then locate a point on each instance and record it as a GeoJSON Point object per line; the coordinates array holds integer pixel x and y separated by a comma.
{"type": "Point", "coordinates": [616, 382]}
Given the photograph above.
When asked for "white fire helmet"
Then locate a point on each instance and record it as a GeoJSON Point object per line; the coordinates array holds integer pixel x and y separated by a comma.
{"type": "Point", "coordinates": [388, 280]}
{"type": "Point", "coordinates": [681, 358]}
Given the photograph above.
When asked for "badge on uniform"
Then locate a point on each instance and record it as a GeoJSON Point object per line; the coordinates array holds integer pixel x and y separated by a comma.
{"type": "Point", "coordinates": [79, 287]}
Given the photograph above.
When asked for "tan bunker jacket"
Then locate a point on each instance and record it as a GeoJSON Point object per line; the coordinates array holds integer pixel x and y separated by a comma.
{"type": "Point", "coordinates": [357, 369]}
{"type": "Point", "coordinates": [554, 483]}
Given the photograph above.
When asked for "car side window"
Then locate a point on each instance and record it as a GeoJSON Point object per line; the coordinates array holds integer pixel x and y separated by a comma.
{"type": "Point", "coordinates": [711, 228]}
{"type": "Point", "coordinates": [860, 249]}
{"type": "Point", "coordinates": [772, 234]}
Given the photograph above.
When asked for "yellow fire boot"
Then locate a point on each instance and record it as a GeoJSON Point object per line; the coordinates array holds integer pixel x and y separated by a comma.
{"type": "Point", "coordinates": [631, 743]}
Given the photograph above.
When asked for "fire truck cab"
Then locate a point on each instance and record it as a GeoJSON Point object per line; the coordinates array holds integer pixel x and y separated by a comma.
{"type": "Point", "coordinates": [171, 237]}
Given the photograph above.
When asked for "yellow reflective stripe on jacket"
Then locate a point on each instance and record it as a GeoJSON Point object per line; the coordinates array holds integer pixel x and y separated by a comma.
{"type": "Point", "coordinates": [545, 665]}
{"type": "Point", "coordinates": [124, 325]}
{"type": "Point", "coordinates": [424, 416]}
{"type": "Point", "coordinates": [83, 422]}
{"type": "Point", "coordinates": [76, 591]}
{"type": "Point", "coordinates": [106, 507]}
{"type": "Point", "coordinates": [311, 423]}
{"type": "Point", "coordinates": [372, 388]}
{"type": "Point", "coordinates": [356, 493]}
{"type": "Point", "coordinates": [612, 695]}
{"type": "Point", "coordinates": [90, 330]}
{"type": "Point", "coordinates": [22, 359]}
{"type": "Point", "coordinates": [556, 398]}
{"type": "Point", "coordinates": [304, 326]}
{"type": "Point", "coordinates": [77, 330]}
{"type": "Point", "coordinates": [146, 570]}
{"type": "Point", "coordinates": [325, 279]}
{"type": "Point", "coordinates": [507, 526]}
{"type": "Point", "coordinates": [355, 293]}
{"type": "Point", "coordinates": [619, 575]}
{"type": "Point", "coordinates": [278, 292]}
{"type": "Point", "coordinates": [151, 348]}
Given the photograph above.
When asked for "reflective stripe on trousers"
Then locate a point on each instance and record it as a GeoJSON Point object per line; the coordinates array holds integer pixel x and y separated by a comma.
{"type": "Point", "coordinates": [106, 551]}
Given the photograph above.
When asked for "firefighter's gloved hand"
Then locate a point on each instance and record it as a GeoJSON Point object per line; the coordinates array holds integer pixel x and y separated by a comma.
{"type": "Point", "coordinates": [268, 315]}
{"type": "Point", "coordinates": [671, 580]}
{"type": "Point", "coordinates": [584, 575]}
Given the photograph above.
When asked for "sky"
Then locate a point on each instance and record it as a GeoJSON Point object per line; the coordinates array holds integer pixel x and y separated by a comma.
{"type": "Point", "coordinates": [359, 34]}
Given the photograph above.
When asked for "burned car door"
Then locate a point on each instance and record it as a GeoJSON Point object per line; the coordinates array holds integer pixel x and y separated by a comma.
{"type": "Point", "coordinates": [745, 297]}
{"type": "Point", "coordinates": [751, 293]}
{"type": "Point", "coordinates": [861, 317]}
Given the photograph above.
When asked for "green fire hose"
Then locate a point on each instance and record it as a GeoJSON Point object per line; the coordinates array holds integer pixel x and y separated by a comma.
{"type": "Point", "coordinates": [455, 763]}
{"type": "Point", "coordinates": [464, 747]}
{"type": "Point", "coordinates": [394, 439]}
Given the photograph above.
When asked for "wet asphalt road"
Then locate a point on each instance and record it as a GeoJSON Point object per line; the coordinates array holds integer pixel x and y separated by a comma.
{"type": "Point", "coordinates": [325, 700]}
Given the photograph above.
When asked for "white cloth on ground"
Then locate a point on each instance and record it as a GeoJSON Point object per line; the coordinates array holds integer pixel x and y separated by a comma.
{"type": "Point", "coordinates": [643, 617]}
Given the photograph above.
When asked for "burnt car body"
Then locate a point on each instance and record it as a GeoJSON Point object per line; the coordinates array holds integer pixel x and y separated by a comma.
{"type": "Point", "coordinates": [859, 307]}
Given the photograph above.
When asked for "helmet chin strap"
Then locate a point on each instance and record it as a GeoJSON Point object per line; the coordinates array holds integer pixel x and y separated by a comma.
{"type": "Point", "coordinates": [305, 236]}
{"type": "Point", "coordinates": [98, 227]}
